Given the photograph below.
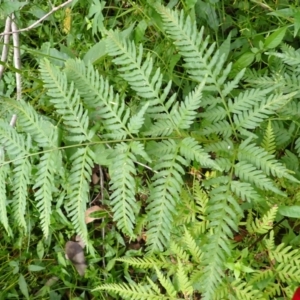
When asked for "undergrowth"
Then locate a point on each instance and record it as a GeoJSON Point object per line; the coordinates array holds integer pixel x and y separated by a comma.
{"type": "Point", "coordinates": [193, 126]}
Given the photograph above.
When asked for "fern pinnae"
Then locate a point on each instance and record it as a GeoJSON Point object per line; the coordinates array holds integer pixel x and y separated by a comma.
{"type": "Point", "coordinates": [166, 283]}
{"type": "Point", "coordinates": [79, 182]}
{"type": "Point", "coordinates": [264, 224]}
{"type": "Point", "coordinates": [268, 142]}
{"type": "Point", "coordinates": [224, 213]}
{"type": "Point", "coordinates": [165, 192]}
{"type": "Point", "coordinates": [134, 71]}
{"type": "Point", "coordinates": [21, 179]}
{"type": "Point", "coordinates": [184, 284]}
{"type": "Point", "coordinates": [43, 188]}
{"type": "Point", "coordinates": [251, 153]}
{"type": "Point", "coordinates": [17, 147]}
{"type": "Point", "coordinates": [132, 291]}
{"type": "Point", "coordinates": [249, 173]}
{"type": "Point", "coordinates": [67, 102]}
{"type": "Point", "coordinates": [122, 185]}
{"type": "Point", "coordinates": [4, 170]}
{"type": "Point", "coordinates": [108, 107]}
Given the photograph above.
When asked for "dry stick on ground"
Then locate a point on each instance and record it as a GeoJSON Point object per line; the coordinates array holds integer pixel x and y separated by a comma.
{"type": "Point", "coordinates": [5, 45]}
{"type": "Point", "coordinates": [54, 9]}
{"type": "Point", "coordinates": [17, 64]}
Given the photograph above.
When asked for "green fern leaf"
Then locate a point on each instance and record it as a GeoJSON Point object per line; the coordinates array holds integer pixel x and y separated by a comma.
{"type": "Point", "coordinates": [166, 283]}
{"type": "Point", "coordinates": [190, 149]}
{"type": "Point", "coordinates": [192, 246]}
{"type": "Point", "coordinates": [106, 106]}
{"type": "Point", "coordinates": [262, 159]}
{"type": "Point", "coordinates": [198, 55]}
{"type": "Point", "coordinates": [67, 102]}
{"type": "Point", "coordinates": [164, 195]}
{"type": "Point", "coordinates": [268, 142]}
{"type": "Point", "coordinates": [247, 172]}
{"type": "Point", "coordinates": [122, 185]}
{"type": "Point", "coordinates": [140, 76]}
{"type": "Point", "coordinates": [4, 170]}
{"type": "Point", "coordinates": [41, 131]}
{"type": "Point", "coordinates": [244, 190]}
{"type": "Point", "coordinates": [224, 214]}
{"type": "Point", "coordinates": [43, 188]}
{"type": "Point", "coordinates": [79, 182]}
{"type": "Point", "coordinates": [132, 291]}
{"type": "Point", "coordinates": [17, 148]}
{"type": "Point", "coordinates": [251, 119]}
{"type": "Point", "coordinates": [264, 224]}
{"type": "Point", "coordinates": [184, 284]}
{"type": "Point", "coordinates": [184, 115]}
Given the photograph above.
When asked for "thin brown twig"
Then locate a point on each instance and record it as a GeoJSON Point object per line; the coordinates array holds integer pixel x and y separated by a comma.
{"type": "Point", "coordinates": [5, 45]}
{"type": "Point", "coordinates": [54, 9]}
{"type": "Point", "coordinates": [17, 55]}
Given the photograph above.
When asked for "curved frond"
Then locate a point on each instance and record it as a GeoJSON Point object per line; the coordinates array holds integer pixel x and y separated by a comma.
{"type": "Point", "coordinates": [107, 107]}
{"type": "Point", "coordinates": [264, 224]}
{"type": "Point", "coordinates": [79, 183]}
{"type": "Point", "coordinates": [122, 185]}
{"type": "Point", "coordinates": [263, 160]}
{"type": "Point", "coordinates": [41, 131]}
{"type": "Point", "coordinates": [44, 186]}
{"type": "Point", "coordinates": [164, 194]}
{"type": "Point", "coordinates": [67, 102]}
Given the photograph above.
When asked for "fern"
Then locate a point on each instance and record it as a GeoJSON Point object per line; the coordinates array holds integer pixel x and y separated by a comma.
{"type": "Point", "coordinates": [67, 103]}
{"type": "Point", "coordinates": [264, 224]}
{"type": "Point", "coordinates": [80, 173]}
{"type": "Point", "coordinates": [122, 184]}
{"type": "Point", "coordinates": [164, 195]}
{"type": "Point", "coordinates": [268, 142]}
{"type": "Point", "coordinates": [17, 148]}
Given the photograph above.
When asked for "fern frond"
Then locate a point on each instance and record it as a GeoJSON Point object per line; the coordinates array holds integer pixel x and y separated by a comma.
{"type": "Point", "coordinates": [222, 127]}
{"type": "Point", "coordinates": [190, 149]}
{"type": "Point", "coordinates": [107, 107]}
{"type": "Point", "coordinates": [250, 119]}
{"type": "Point", "coordinates": [165, 192]}
{"type": "Point", "coordinates": [289, 55]}
{"type": "Point", "coordinates": [21, 180]}
{"type": "Point", "coordinates": [262, 159]}
{"type": "Point", "coordinates": [192, 246]}
{"type": "Point", "coordinates": [166, 283]}
{"type": "Point", "coordinates": [247, 172]}
{"type": "Point", "coordinates": [247, 292]}
{"type": "Point", "coordinates": [140, 75]}
{"type": "Point", "coordinates": [132, 291]}
{"type": "Point", "coordinates": [285, 255]}
{"type": "Point", "coordinates": [122, 185]}
{"type": "Point", "coordinates": [214, 114]}
{"type": "Point", "coordinates": [268, 142]}
{"type": "Point", "coordinates": [198, 55]}
{"type": "Point", "coordinates": [264, 224]}
{"type": "Point", "coordinates": [184, 115]}
{"type": "Point", "coordinates": [67, 102]}
{"type": "Point", "coordinates": [178, 250]}
{"type": "Point", "coordinates": [224, 214]}
{"type": "Point", "coordinates": [246, 100]}
{"type": "Point", "coordinates": [17, 148]}
{"type": "Point", "coordinates": [244, 190]}
{"type": "Point", "coordinates": [145, 262]}
{"type": "Point", "coordinates": [4, 170]}
{"type": "Point", "coordinates": [79, 181]}
{"type": "Point", "coordinates": [41, 131]}
{"type": "Point", "coordinates": [184, 284]}
{"type": "Point", "coordinates": [44, 186]}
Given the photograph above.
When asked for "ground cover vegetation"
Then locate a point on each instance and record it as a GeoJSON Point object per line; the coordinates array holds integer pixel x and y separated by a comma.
{"type": "Point", "coordinates": [162, 139]}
